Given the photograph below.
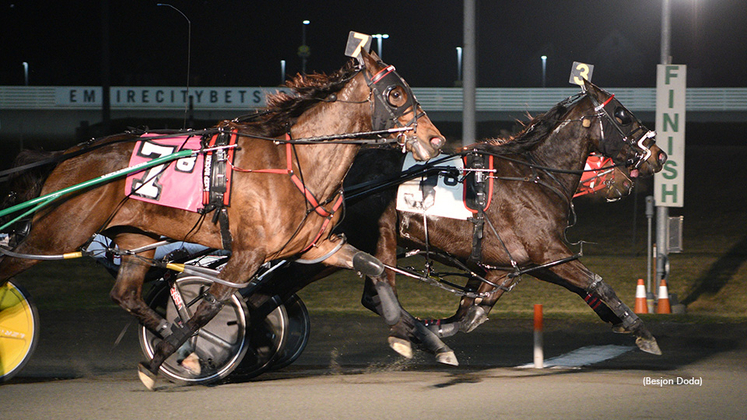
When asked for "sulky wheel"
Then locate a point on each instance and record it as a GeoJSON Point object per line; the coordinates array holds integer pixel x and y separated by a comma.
{"type": "Point", "coordinates": [19, 329]}
{"type": "Point", "coordinates": [266, 337]}
{"type": "Point", "coordinates": [299, 328]}
{"type": "Point", "coordinates": [220, 345]}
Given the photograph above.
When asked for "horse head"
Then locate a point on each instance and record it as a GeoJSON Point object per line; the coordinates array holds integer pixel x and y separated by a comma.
{"type": "Point", "coordinates": [395, 106]}
{"type": "Point", "coordinates": [622, 136]}
{"type": "Point", "coordinates": [603, 178]}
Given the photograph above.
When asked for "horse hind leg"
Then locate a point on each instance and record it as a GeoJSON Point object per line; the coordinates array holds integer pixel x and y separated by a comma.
{"type": "Point", "coordinates": [42, 238]}
{"type": "Point", "coordinates": [630, 322]}
{"type": "Point", "coordinates": [473, 312]}
{"type": "Point", "coordinates": [127, 289]}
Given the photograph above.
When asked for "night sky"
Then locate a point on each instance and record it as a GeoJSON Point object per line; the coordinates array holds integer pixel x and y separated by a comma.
{"type": "Point", "coordinates": [241, 43]}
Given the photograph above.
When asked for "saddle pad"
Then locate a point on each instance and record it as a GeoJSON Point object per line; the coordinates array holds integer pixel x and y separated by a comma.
{"type": "Point", "coordinates": [177, 184]}
{"type": "Point", "coordinates": [435, 195]}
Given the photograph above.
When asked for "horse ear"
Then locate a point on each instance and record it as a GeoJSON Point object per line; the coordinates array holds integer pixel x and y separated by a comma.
{"type": "Point", "coordinates": [371, 60]}
{"type": "Point", "coordinates": [587, 85]}
{"type": "Point", "coordinates": [592, 89]}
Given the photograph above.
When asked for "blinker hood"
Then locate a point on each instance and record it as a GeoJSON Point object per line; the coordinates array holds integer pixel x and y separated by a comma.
{"type": "Point", "coordinates": [386, 114]}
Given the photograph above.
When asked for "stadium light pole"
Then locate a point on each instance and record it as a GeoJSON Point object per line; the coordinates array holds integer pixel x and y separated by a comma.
{"type": "Point", "coordinates": [303, 51]}
{"type": "Point", "coordinates": [379, 41]}
{"type": "Point", "coordinates": [459, 65]}
{"type": "Point", "coordinates": [189, 57]}
{"type": "Point", "coordinates": [25, 73]}
{"type": "Point", "coordinates": [662, 212]}
{"type": "Point", "coordinates": [469, 83]}
{"type": "Point", "coordinates": [544, 70]}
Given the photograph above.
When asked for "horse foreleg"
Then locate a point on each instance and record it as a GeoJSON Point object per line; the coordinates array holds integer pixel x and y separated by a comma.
{"type": "Point", "coordinates": [405, 329]}
{"type": "Point", "coordinates": [630, 321]}
{"type": "Point", "coordinates": [577, 275]}
{"type": "Point", "coordinates": [602, 310]}
{"type": "Point", "coordinates": [594, 302]}
{"type": "Point", "coordinates": [409, 330]}
{"type": "Point", "coordinates": [178, 335]}
{"type": "Point", "coordinates": [239, 265]}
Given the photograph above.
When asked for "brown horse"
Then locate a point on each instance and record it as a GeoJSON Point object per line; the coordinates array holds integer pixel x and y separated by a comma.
{"type": "Point", "coordinates": [270, 216]}
{"type": "Point", "coordinates": [536, 175]}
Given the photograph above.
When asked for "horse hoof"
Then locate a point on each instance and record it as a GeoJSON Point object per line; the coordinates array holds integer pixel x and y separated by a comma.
{"type": "Point", "coordinates": [476, 316]}
{"type": "Point", "coordinates": [648, 345]}
{"type": "Point", "coordinates": [447, 358]}
{"type": "Point", "coordinates": [192, 364]}
{"type": "Point", "coordinates": [147, 377]}
{"type": "Point", "coordinates": [403, 347]}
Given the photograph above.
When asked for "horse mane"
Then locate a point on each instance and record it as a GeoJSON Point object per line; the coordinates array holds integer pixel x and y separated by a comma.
{"type": "Point", "coordinates": [533, 133]}
{"type": "Point", "coordinates": [306, 90]}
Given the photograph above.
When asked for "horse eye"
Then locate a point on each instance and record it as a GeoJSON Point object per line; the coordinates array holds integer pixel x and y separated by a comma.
{"type": "Point", "coordinates": [622, 116]}
{"type": "Point", "coordinates": [396, 97]}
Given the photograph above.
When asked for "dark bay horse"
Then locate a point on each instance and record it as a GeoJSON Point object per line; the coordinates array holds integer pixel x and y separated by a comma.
{"type": "Point", "coordinates": [272, 215]}
{"type": "Point", "coordinates": [536, 175]}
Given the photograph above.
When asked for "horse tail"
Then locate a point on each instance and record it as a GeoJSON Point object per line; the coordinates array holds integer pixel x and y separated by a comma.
{"type": "Point", "coordinates": [25, 184]}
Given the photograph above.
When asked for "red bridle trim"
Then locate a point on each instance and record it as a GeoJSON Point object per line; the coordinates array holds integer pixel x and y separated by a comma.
{"type": "Point", "coordinates": [607, 101]}
{"type": "Point", "coordinates": [383, 72]}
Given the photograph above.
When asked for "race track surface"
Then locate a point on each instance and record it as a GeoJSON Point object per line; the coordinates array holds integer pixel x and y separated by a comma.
{"type": "Point", "coordinates": [84, 367]}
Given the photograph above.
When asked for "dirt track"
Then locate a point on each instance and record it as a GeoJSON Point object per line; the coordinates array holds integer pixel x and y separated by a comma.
{"type": "Point", "coordinates": [347, 371]}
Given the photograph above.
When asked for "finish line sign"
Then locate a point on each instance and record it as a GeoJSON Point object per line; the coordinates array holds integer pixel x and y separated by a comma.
{"type": "Point", "coordinates": [671, 87]}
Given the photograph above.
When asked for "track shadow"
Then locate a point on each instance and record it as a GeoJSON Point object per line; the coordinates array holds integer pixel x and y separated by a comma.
{"type": "Point", "coordinates": [720, 272]}
{"type": "Point", "coordinates": [499, 350]}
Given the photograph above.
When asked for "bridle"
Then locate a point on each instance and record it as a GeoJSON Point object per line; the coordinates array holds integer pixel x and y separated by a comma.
{"type": "Point", "coordinates": [635, 138]}
{"type": "Point", "coordinates": [385, 113]}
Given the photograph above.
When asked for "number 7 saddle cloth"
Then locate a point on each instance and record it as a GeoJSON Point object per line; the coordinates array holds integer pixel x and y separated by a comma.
{"type": "Point", "coordinates": [197, 183]}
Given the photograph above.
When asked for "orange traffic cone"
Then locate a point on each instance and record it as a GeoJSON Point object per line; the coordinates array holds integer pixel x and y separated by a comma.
{"type": "Point", "coordinates": [640, 298]}
{"type": "Point", "coordinates": [662, 305]}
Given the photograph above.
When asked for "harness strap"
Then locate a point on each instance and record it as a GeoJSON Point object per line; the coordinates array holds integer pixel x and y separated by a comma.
{"type": "Point", "coordinates": [308, 195]}
{"type": "Point", "coordinates": [478, 193]}
{"type": "Point", "coordinates": [217, 181]}
{"type": "Point", "coordinates": [327, 220]}
{"type": "Point", "coordinates": [310, 198]}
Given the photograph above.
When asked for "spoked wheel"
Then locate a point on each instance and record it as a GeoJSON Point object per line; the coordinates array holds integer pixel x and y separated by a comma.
{"type": "Point", "coordinates": [219, 346]}
{"type": "Point", "coordinates": [299, 329]}
{"type": "Point", "coordinates": [19, 329]}
{"type": "Point", "coordinates": [267, 338]}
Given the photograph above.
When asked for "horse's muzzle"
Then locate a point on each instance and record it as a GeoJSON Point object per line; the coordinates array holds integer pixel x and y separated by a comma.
{"type": "Point", "coordinates": [422, 150]}
{"type": "Point", "coordinates": [652, 165]}
{"type": "Point", "coordinates": [662, 158]}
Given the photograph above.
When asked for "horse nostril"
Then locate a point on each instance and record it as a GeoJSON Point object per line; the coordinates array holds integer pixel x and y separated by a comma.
{"type": "Point", "coordinates": [662, 157]}
{"type": "Point", "coordinates": [437, 142]}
